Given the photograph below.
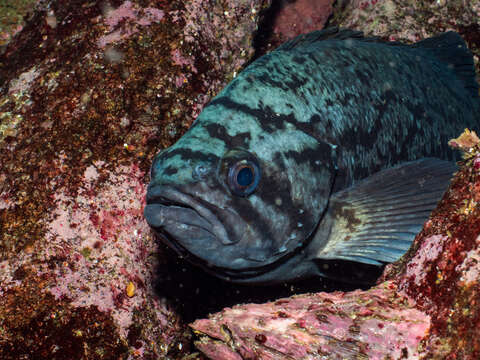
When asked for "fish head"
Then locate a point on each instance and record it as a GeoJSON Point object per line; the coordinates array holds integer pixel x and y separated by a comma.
{"type": "Point", "coordinates": [239, 207]}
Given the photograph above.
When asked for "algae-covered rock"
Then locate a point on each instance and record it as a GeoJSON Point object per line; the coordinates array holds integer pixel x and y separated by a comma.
{"type": "Point", "coordinates": [89, 92]}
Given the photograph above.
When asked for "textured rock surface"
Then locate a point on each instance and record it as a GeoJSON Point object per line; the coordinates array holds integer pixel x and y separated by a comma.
{"type": "Point", "coordinates": [426, 306]}
{"type": "Point", "coordinates": [302, 16]}
{"type": "Point", "coordinates": [89, 92]}
{"type": "Point", "coordinates": [410, 21]}
{"type": "Point", "coordinates": [314, 326]}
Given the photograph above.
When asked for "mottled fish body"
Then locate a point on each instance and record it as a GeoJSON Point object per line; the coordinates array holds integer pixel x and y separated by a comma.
{"type": "Point", "coordinates": [327, 148]}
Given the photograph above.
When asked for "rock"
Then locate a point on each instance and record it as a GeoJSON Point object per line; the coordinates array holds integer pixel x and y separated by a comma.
{"type": "Point", "coordinates": [89, 92]}
{"type": "Point", "coordinates": [301, 16]}
{"type": "Point", "coordinates": [335, 325]}
{"type": "Point", "coordinates": [12, 16]}
{"type": "Point", "coordinates": [427, 305]}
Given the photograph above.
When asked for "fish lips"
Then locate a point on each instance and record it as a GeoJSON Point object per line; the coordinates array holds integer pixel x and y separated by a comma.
{"type": "Point", "coordinates": [190, 224]}
{"type": "Point", "coordinates": [179, 222]}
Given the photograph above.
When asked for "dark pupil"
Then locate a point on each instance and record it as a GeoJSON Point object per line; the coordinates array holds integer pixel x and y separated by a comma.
{"type": "Point", "coordinates": [245, 176]}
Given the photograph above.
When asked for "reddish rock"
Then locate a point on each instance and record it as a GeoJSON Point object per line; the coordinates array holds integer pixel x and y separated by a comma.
{"type": "Point", "coordinates": [336, 326]}
{"type": "Point", "coordinates": [426, 306]}
{"type": "Point", "coordinates": [302, 16]}
{"type": "Point", "coordinates": [89, 93]}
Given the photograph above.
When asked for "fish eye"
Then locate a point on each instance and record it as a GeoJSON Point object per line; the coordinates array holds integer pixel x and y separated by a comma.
{"type": "Point", "coordinates": [243, 177]}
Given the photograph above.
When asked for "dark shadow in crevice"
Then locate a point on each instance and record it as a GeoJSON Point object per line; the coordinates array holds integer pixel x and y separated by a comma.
{"type": "Point", "coordinates": [264, 41]}
{"type": "Point", "coordinates": [195, 294]}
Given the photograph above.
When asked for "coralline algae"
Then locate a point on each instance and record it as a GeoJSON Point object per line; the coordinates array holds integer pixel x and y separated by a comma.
{"type": "Point", "coordinates": [89, 91]}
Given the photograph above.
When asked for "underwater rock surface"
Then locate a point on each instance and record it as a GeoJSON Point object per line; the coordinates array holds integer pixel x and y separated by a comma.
{"type": "Point", "coordinates": [89, 92]}
{"type": "Point", "coordinates": [426, 306]}
{"type": "Point", "coordinates": [301, 17]}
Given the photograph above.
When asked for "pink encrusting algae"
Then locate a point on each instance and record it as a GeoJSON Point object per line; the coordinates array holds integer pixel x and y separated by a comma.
{"type": "Point", "coordinates": [104, 230]}
{"type": "Point", "coordinates": [180, 60]}
{"type": "Point", "coordinates": [469, 267]}
{"type": "Point", "coordinates": [429, 250]}
{"type": "Point", "coordinates": [97, 244]}
{"type": "Point", "coordinates": [368, 324]}
{"type": "Point", "coordinates": [92, 92]}
{"type": "Point", "coordinates": [129, 13]}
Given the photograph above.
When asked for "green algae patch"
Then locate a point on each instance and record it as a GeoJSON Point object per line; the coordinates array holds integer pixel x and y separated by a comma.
{"type": "Point", "coordinates": [12, 17]}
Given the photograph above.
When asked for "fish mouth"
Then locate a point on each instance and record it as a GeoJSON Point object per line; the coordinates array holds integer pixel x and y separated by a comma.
{"type": "Point", "coordinates": [195, 230]}
{"type": "Point", "coordinates": [189, 223]}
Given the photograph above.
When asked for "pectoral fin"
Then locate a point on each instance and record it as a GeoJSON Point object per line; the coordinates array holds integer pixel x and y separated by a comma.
{"type": "Point", "coordinates": [376, 220]}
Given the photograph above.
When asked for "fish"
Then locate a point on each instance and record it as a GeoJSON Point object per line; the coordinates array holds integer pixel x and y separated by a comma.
{"type": "Point", "coordinates": [331, 148]}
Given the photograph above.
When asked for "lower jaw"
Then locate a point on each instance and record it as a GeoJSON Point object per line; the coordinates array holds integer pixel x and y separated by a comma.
{"type": "Point", "coordinates": [172, 244]}
{"type": "Point", "coordinates": [220, 272]}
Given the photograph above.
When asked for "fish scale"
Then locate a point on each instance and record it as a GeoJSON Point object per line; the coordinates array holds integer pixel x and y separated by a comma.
{"type": "Point", "coordinates": [331, 147]}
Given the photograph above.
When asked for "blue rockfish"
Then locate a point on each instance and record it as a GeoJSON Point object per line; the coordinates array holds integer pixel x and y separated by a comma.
{"type": "Point", "coordinates": [332, 147]}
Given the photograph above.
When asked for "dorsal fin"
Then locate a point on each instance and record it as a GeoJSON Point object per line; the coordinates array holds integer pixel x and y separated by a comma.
{"type": "Point", "coordinates": [448, 47]}
{"type": "Point", "coordinates": [331, 33]}
{"type": "Point", "coordinates": [451, 49]}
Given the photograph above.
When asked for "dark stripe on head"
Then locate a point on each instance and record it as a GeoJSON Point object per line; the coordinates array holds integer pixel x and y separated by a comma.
{"type": "Point", "coordinates": [219, 131]}
{"type": "Point", "coordinates": [265, 116]}
{"type": "Point", "coordinates": [317, 158]}
{"type": "Point", "coordinates": [275, 187]}
{"type": "Point", "coordinates": [267, 119]}
{"type": "Point", "coordinates": [170, 170]}
{"type": "Point", "coordinates": [187, 154]}
{"type": "Point", "coordinates": [255, 218]}
{"type": "Point", "coordinates": [271, 190]}
{"type": "Point", "coordinates": [270, 121]}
